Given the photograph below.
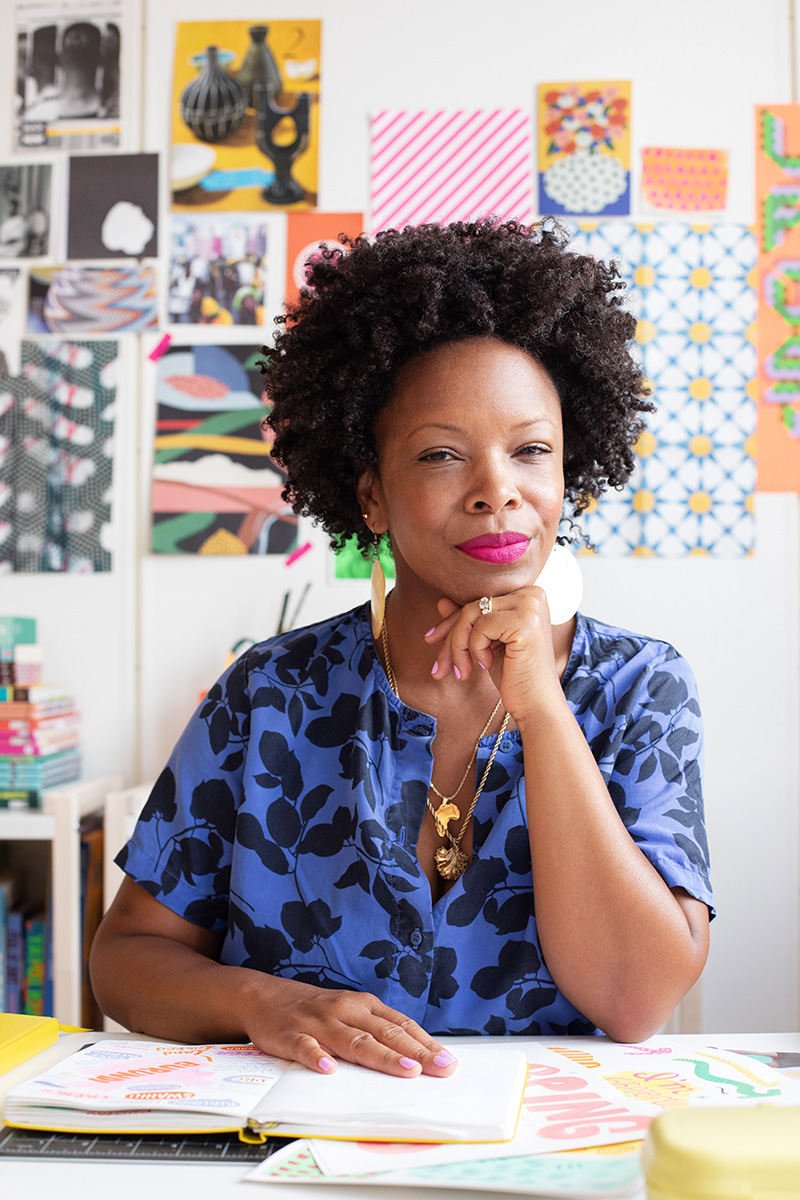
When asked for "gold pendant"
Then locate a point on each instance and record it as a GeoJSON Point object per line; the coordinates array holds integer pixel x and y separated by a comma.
{"type": "Point", "coordinates": [444, 814]}
{"type": "Point", "coordinates": [450, 862]}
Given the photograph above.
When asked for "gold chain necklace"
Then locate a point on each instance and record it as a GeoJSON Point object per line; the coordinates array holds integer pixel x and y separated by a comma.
{"type": "Point", "coordinates": [451, 861]}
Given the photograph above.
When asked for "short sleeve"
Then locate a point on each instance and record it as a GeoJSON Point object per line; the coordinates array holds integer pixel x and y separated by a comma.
{"type": "Point", "coordinates": [181, 848]}
{"type": "Point", "coordinates": [656, 780]}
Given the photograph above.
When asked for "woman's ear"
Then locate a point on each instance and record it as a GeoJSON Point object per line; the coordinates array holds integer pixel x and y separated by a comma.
{"type": "Point", "coordinates": [370, 499]}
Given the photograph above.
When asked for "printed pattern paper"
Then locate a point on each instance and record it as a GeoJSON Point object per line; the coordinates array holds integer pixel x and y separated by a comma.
{"type": "Point", "coordinates": [113, 206]}
{"type": "Point", "coordinates": [75, 300]}
{"type": "Point", "coordinates": [216, 489]}
{"type": "Point", "coordinates": [584, 148]}
{"type": "Point", "coordinates": [56, 458]}
{"type": "Point", "coordinates": [305, 234]}
{"type": "Point", "coordinates": [217, 269]}
{"type": "Point", "coordinates": [684, 180]}
{"type": "Point", "coordinates": [691, 288]}
{"type": "Point", "coordinates": [778, 208]}
{"type": "Point", "coordinates": [450, 165]}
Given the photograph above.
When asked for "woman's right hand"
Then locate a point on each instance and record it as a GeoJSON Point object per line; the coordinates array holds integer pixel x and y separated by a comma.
{"type": "Point", "coordinates": [158, 974]}
{"type": "Point", "coordinates": [315, 1026]}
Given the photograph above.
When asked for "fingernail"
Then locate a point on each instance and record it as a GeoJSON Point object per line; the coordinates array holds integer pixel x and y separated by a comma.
{"type": "Point", "coordinates": [326, 1064]}
{"type": "Point", "coordinates": [456, 672]}
{"type": "Point", "coordinates": [408, 1063]}
{"type": "Point", "coordinates": [434, 668]}
{"type": "Point", "coordinates": [430, 631]}
{"type": "Point", "coordinates": [444, 1058]}
{"type": "Point", "coordinates": [481, 665]}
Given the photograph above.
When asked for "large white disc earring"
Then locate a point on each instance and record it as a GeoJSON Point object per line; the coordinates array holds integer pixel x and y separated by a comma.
{"type": "Point", "coordinates": [561, 580]}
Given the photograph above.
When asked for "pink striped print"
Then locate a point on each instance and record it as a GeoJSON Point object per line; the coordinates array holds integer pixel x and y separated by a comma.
{"type": "Point", "coordinates": [450, 165]}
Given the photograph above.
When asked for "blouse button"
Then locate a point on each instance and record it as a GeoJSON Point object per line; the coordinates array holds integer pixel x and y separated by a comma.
{"type": "Point", "coordinates": [415, 939]}
{"type": "Point", "coordinates": [506, 745]}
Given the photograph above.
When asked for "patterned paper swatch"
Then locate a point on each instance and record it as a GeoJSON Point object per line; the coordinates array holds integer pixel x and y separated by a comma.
{"type": "Point", "coordinates": [450, 165]}
{"type": "Point", "coordinates": [692, 492]}
{"type": "Point", "coordinates": [216, 489]}
{"type": "Point", "coordinates": [584, 148]}
{"type": "Point", "coordinates": [56, 458]}
{"type": "Point", "coordinates": [75, 300]}
{"type": "Point", "coordinates": [778, 208]}
{"type": "Point", "coordinates": [684, 180]}
{"type": "Point", "coordinates": [306, 234]}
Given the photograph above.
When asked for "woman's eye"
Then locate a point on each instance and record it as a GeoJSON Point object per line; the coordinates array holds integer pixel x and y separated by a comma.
{"type": "Point", "coordinates": [435, 456]}
{"type": "Point", "coordinates": [534, 449]}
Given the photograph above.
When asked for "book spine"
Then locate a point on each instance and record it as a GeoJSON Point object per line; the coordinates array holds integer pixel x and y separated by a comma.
{"type": "Point", "coordinates": [15, 960]}
{"type": "Point", "coordinates": [20, 799]}
{"type": "Point", "coordinates": [3, 949]}
{"type": "Point", "coordinates": [17, 629]}
{"type": "Point", "coordinates": [35, 962]}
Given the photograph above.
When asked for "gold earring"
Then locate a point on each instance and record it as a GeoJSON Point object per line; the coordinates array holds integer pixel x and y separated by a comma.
{"type": "Point", "coordinates": [377, 598]}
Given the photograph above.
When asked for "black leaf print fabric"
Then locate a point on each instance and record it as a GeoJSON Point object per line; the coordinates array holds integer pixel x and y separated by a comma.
{"type": "Point", "coordinates": [288, 814]}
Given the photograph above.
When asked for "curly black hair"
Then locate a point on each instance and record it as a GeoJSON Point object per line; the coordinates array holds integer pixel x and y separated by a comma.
{"type": "Point", "coordinates": [373, 305]}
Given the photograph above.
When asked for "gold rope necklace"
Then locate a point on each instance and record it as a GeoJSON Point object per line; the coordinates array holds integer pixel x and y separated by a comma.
{"type": "Point", "coordinates": [451, 861]}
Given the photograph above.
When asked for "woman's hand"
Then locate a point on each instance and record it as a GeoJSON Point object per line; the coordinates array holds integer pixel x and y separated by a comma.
{"type": "Point", "coordinates": [514, 642]}
{"type": "Point", "coordinates": [314, 1026]}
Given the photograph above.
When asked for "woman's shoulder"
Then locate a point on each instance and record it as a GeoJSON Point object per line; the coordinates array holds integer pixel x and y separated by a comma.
{"type": "Point", "coordinates": [341, 641]}
{"type": "Point", "coordinates": [597, 644]}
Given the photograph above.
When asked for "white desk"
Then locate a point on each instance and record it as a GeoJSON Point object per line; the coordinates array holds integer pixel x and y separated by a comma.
{"type": "Point", "coordinates": [84, 1180]}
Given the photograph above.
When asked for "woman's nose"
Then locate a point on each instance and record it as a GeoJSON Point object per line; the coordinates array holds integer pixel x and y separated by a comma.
{"type": "Point", "coordinates": [491, 489]}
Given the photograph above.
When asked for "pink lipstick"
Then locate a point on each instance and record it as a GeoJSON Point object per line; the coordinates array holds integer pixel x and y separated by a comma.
{"type": "Point", "coordinates": [496, 547]}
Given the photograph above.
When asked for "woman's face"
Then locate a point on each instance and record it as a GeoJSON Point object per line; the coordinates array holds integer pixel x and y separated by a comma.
{"type": "Point", "coordinates": [470, 483]}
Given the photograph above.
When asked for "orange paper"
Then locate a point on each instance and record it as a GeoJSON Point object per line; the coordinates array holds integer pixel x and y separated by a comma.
{"type": "Point", "coordinates": [778, 209]}
{"type": "Point", "coordinates": [684, 180]}
{"type": "Point", "coordinates": [305, 233]}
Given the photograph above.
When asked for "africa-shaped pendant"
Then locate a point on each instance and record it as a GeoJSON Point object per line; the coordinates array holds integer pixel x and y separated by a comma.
{"type": "Point", "coordinates": [450, 862]}
{"type": "Point", "coordinates": [446, 812]}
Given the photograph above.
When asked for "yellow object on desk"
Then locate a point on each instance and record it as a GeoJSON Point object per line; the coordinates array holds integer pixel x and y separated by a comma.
{"type": "Point", "coordinates": [723, 1154]}
{"type": "Point", "coordinates": [22, 1036]}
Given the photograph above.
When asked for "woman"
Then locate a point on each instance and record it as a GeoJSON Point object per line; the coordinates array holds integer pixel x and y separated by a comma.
{"type": "Point", "coordinates": [341, 858]}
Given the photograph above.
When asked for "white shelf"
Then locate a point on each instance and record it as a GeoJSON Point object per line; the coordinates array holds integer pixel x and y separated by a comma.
{"type": "Point", "coordinates": [26, 827]}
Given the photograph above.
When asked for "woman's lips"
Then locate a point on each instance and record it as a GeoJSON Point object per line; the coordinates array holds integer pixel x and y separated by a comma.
{"type": "Point", "coordinates": [496, 547]}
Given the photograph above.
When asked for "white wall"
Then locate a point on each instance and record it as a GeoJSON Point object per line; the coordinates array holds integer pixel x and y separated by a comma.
{"type": "Point", "coordinates": [698, 68]}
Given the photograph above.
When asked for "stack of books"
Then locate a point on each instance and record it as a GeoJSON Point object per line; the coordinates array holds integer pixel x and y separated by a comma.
{"type": "Point", "coordinates": [39, 721]}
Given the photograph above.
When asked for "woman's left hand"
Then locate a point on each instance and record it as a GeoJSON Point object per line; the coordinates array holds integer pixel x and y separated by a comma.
{"type": "Point", "coordinates": [514, 642]}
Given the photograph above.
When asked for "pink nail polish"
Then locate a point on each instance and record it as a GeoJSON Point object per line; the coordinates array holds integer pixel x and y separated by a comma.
{"type": "Point", "coordinates": [456, 671]}
{"type": "Point", "coordinates": [434, 668]}
{"type": "Point", "coordinates": [326, 1064]}
{"type": "Point", "coordinates": [408, 1063]}
{"type": "Point", "coordinates": [481, 665]}
{"type": "Point", "coordinates": [430, 631]}
{"type": "Point", "coordinates": [444, 1058]}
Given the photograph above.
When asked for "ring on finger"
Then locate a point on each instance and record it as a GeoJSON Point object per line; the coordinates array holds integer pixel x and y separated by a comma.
{"type": "Point", "coordinates": [485, 605]}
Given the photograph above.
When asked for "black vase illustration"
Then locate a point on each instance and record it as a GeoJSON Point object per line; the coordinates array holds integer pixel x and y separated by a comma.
{"type": "Point", "coordinates": [258, 64]}
{"type": "Point", "coordinates": [283, 189]}
{"type": "Point", "coordinates": [214, 104]}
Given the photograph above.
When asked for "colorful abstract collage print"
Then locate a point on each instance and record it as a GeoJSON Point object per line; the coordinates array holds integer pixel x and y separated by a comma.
{"type": "Point", "coordinates": [216, 489]}
{"type": "Point", "coordinates": [56, 458]}
{"type": "Point", "coordinates": [692, 290]}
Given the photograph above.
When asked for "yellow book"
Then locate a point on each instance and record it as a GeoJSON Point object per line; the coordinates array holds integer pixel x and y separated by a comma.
{"type": "Point", "coordinates": [21, 1037]}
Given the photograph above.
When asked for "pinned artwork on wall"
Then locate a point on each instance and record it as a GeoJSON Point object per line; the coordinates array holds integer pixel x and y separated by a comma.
{"type": "Point", "coordinates": [25, 210]}
{"type": "Point", "coordinates": [449, 165]}
{"type": "Point", "coordinates": [584, 148]}
{"type": "Point", "coordinates": [56, 458]}
{"type": "Point", "coordinates": [684, 180]}
{"type": "Point", "coordinates": [245, 115]}
{"type": "Point", "coordinates": [74, 300]}
{"type": "Point", "coordinates": [218, 269]}
{"type": "Point", "coordinates": [216, 488]}
{"type": "Point", "coordinates": [113, 206]}
{"type": "Point", "coordinates": [307, 234]}
{"type": "Point", "coordinates": [68, 73]}
{"type": "Point", "coordinates": [693, 489]}
{"type": "Point", "coordinates": [13, 294]}
{"type": "Point", "coordinates": [778, 214]}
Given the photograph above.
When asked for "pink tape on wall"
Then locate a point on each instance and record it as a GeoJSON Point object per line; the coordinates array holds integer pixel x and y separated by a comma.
{"type": "Point", "coordinates": [450, 165]}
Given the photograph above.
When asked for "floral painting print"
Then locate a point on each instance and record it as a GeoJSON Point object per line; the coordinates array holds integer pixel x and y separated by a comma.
{"type": "Point", "coordinates": [584, 148]}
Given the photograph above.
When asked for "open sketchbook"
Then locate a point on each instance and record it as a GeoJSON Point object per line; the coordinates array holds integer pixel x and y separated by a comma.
{"type": "Point", "coordinates": [147, 1087]}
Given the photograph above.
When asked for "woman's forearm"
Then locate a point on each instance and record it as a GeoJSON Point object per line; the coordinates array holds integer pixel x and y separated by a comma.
{"type": "Point", "coordinates": [616, 940]}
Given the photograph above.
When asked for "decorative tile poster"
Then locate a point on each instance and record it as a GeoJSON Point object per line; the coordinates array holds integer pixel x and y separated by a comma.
{"type": "Point", "coordinates": [691, 288]}
{"type": "Point", "coordinates": [216, 489]}
{"type": "Point", "coordinates": [306, 233]}
{"type": "Point", "coordinates": [74, 300]}
{"type": "Point", "coordinates": [778, 209]}
{"type": "Point", "coordinates": [245, 116]}
{"type": "Point", "coordinates": [584, 148]}
{"type": "Point", "coordinates": [56, 457]}
{"type": "Point", "coordinates": [450, 165]}
{"type": "Point", "coordinates": [681, 180]}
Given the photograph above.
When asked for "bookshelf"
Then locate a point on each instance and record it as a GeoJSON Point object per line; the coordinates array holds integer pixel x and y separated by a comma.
{"type": "Point", "coordinates": [59, 824]}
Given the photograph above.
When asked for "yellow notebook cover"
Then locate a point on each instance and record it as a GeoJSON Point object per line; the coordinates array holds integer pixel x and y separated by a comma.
{"type": "Point", "coordinates": [21, 1037]}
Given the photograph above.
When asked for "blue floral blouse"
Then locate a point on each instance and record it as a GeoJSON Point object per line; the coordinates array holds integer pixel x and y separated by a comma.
{"type": "Point", "coordinates": [287, 818]}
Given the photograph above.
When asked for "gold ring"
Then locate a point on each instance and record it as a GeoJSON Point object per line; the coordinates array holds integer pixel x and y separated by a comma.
{"type": "Point", "coordinates": [485, 605]}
